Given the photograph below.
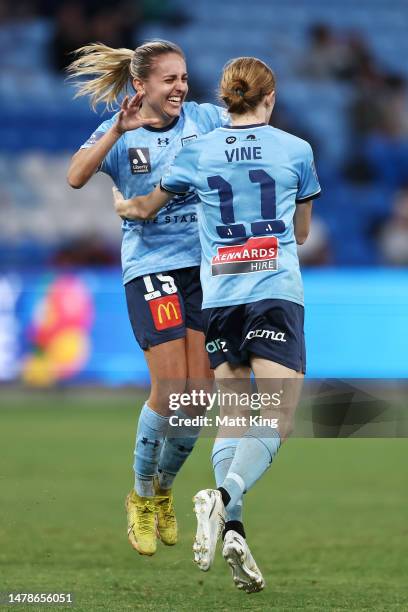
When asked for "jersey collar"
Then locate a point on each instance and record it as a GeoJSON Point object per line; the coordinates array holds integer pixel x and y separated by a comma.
{"type": "Point", "coordinates": [243, 127]}
{"type": "Point", "coordinates": [171, 125]}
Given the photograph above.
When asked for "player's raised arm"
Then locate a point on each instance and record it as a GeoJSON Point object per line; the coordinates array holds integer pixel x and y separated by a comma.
{"type": "Point", "coordinates": [86, 161]}
{"type": "Point", "coordinates": [140, 207]}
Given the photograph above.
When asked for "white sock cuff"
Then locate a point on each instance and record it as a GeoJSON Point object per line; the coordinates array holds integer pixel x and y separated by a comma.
{"type": "Point", "coordinates": [237, 478]}
{"type": "Point", "coordinates": [153, 419]}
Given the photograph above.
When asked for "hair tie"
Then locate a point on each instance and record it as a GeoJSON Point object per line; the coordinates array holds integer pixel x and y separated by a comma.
{"type": "Point", "coordinates": [239, 92]}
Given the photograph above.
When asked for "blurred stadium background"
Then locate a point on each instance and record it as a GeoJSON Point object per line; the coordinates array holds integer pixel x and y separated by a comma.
{"type": "Point", "coordinates": [342, 75]}
{"type": "Point", "coordinates": [342, 84]}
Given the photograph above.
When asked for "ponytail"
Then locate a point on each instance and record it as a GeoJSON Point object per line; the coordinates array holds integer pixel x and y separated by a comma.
{"type": "Point", "coordinates": [113, 69]}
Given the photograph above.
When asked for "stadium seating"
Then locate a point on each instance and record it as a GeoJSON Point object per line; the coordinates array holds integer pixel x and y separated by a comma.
{"type": "Point", "coordinates": [278, 33]}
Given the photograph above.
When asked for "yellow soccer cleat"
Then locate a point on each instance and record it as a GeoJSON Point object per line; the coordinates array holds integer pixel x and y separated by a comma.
{"type": "Point", "coordinates": [141, 517]}
{"type": "Point", "coordinates": [166, 516]}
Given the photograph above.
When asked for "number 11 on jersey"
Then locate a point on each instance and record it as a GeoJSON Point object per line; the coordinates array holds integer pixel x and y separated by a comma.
{"type": "Point", "coordinates": [269, 224]}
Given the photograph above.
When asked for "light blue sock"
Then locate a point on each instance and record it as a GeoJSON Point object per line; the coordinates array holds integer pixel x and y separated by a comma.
{"type": "Point", "coordinates": [222, 456]}
{"type": "Point", "coordinates": [176, 448]}
{"type": "Point", "coordinates": [254, 454]}
{"type": "Point", "coordinates": [151, 431]}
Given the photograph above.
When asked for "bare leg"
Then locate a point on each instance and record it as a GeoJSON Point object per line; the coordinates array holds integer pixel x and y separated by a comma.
{"type": "Point", "coordinates": [275, 378]}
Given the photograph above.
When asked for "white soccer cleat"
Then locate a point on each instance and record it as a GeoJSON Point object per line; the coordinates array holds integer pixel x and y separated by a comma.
{"type": "Point", "coordinates": [210, 513]}
{"type": "Point", "coordinates": [245, 571]}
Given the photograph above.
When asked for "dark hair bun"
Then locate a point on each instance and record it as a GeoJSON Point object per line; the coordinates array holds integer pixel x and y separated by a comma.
{"type": "Point", "coordinates": [239, 87]}
{"type": "Point", "coordinates": [244, 83]}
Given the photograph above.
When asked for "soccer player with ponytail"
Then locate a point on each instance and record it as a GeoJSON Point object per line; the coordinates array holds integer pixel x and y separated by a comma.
{"type": "Point", "coordinates": [256, 185]}
{"type": "Point", "coordinates": [160, 256]}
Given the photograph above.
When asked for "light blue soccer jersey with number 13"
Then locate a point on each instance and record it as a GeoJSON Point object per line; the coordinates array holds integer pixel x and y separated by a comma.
{"type": "Point", "coordinates": [250, 180]}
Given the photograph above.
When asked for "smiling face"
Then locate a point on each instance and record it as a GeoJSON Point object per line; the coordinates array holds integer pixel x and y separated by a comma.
{"type": "Point", "coordinates": [165, 89]}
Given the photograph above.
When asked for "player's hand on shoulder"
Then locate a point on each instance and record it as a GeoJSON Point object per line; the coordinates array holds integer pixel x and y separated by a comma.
{"type": "Point", "coordinates": [129, 117]}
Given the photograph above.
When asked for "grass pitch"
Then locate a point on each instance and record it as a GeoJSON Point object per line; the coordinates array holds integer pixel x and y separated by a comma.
{"type": "Point", "coordinates": [327, 524]}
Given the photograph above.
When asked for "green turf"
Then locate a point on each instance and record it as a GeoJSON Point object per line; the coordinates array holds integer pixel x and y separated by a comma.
{"type": "Point", "coordinates": [327, 524]}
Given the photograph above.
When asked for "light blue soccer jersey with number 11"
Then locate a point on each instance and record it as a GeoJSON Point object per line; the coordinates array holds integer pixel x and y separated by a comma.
{"type": "Point", "coordinates": [250, 180]}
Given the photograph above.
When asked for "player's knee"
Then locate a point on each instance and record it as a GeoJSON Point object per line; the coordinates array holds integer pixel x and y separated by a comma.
{"type": "Point", "coordinates": [286, 430]}
{"type": "Point", "coordinates": [166, 396]}
{"type": "Point", "coordinates": [269, 439]}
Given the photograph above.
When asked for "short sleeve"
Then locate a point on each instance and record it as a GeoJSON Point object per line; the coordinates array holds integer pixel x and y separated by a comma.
{"type": "Point", "coordinates": [182, 172]}
{"type": "Point", "coordinates": [110, 160]}
{"type": "Point", "coordinates": [207, 116]}
{"type": "Point", "coordinates": [308, 186]}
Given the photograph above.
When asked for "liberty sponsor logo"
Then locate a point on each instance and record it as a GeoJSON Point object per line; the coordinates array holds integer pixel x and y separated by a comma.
{"type": "Point", "coordinates": [187, 139]}
{"type": "Point", "coordinates": [140, 160]}
{"type": "Point", "coordinates": [269, 334]}
{"type": "Point", "coordinates": [216, 345]}
{"type": "Point", "coordinates": [251, 137]}
{"type": "Point", "coordinates": [258, 254]}
{"type": "Point", "coordinates": [230, 140]}
{"type": "Point", "coordinates": [166, 312]}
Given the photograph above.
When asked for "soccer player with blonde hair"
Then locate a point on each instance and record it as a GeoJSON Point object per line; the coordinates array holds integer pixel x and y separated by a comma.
{"type": "Point", "coordinates": [160, 256]}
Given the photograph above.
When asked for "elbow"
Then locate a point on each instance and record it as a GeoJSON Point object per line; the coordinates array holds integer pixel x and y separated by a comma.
{"type": "Point", "coordinates": [301, 238]}
{"type": "Point", "coordinates": [74, 182]}
{"type": "Point", "coordinates": [76, 177]}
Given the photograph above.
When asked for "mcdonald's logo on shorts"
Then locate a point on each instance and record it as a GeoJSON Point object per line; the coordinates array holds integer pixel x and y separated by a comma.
{"type": "Point", "coordinates": [166, 312]}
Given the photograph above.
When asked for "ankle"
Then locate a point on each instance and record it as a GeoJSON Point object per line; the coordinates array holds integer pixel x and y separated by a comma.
{"type": "Point", "coordinates": [144, 486]}
{"type": "Point", "coordinates": [234, 526]}
{"type": "Point", "coordinates": [226, 498]}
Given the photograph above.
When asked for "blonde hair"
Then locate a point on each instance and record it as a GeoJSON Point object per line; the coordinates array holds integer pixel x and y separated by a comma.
{"type": "Point", "coordinates": [114, 68]}
{"type": "Point", "coordinates": [244, 82]}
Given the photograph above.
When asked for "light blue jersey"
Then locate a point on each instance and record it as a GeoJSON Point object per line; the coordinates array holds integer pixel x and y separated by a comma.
{"type": "Point", "coordinates": [250, 180]}
{"type": "Point", "coordinates": [136, 163]}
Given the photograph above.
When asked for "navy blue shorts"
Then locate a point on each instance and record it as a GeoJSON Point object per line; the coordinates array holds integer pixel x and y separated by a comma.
{"type": "Point", "coordinates": [161, 306]}
{"type": "Point", "coordinates": [272, 329]}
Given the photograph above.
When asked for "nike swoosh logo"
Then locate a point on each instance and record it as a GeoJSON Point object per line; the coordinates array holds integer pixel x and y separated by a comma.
{"type": "Point", "coordinates": [212, 509]}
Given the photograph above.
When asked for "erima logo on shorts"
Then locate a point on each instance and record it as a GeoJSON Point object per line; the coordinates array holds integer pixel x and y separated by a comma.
{"type": "Point", "coordinates": [139, 160]}
{"type": "Point", "coordinates": [266, 333]}
{"type": "Point", "coordinates": [216, 345]}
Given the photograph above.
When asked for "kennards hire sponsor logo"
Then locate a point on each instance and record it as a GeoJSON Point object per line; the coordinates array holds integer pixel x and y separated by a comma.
{"type": "Point", "coordinates": [255, 255]}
